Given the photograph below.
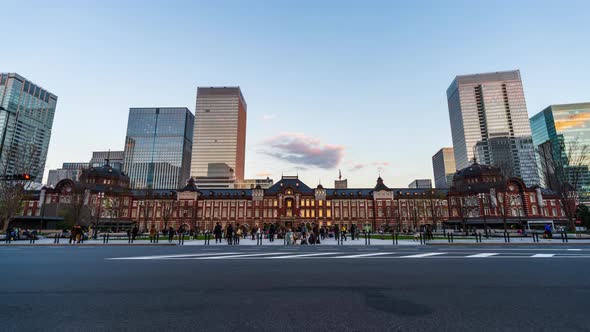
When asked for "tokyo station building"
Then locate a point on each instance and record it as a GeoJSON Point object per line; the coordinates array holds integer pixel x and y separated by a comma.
{"type": "Point", "coordinates": [474, 200]}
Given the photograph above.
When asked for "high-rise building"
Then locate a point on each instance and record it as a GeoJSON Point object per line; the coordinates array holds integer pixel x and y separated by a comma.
{"type": "Point", "coordinates": [220, 130]}
{"type": "Point", "coordinates": [26, 119]}
{"type": "Point", "coordinates": [421, 184]}
{"type": "Point", "coordinates": [561, 132]}
{"type": "Point", "coordinates": [443, 166]}
{"type": "Point", "coordinates": [158, 147]}
{"type": "Point", "coordinates": [487, 106]}
{"type": "Point", "coordinates": [115, 158]}
{"type": "Point", "coordinates": [70, 171]}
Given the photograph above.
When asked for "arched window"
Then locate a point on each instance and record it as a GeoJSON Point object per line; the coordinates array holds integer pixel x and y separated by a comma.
{"type": "Point", "coordinates": [534, 209]}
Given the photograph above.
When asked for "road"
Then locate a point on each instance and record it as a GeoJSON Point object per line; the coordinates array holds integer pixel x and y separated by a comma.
{"type": "Point", "coordinates": [421, 288]}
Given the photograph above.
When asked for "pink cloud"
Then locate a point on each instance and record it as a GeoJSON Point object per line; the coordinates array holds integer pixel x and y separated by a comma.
{"type": "Point", "coordinates": [305, 150]}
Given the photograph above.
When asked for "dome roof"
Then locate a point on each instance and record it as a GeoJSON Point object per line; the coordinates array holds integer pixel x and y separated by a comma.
{"type": "Point", "coordinates": [320, 186]}
{"type": "Point", "coordinates": [105, 171]}
{"type": "Point", "coordinates": [478, 178]}
{"type": "Point", "coordinates": [476, 169]}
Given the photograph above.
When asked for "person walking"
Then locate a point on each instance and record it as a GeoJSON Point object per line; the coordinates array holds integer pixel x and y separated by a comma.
{"type": "Point", "coordinates": [271, 233]}
{"type": "Point", "coordinates": [229, 233]}
{"type": "Point", "coordinates": [134, 233]}
{"type": "Point", "coordinates": [153, 234]}
{"type": "Point", "coordinates": [336, 232]}
{"type": "Point", "coordinates": [217, 231]}
{"type": "Point", "coordinates": [238, 235]}
{"type": "Point", "coordinates": [353, 232]}
{"type": "Point", "coordinates": [170, 234]}
{"type": "Point", "coordinates": [289, 237]}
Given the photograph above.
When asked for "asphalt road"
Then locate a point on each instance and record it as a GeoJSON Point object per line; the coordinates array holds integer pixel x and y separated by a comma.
{"type": "Point", "coordinates": [428, 288]}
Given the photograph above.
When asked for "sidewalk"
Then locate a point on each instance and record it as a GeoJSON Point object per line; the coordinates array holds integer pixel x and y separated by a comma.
{"type": "Point", "coordinates": [325, 242]}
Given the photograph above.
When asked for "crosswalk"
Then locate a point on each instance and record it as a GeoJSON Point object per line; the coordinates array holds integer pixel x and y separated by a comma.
{"type": "Point", "coordinates": [236, 255]}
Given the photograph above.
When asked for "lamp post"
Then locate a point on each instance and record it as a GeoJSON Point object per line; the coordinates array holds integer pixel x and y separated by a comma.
{"type": "Point", "coordinates": [100, 198]}
{"type": "Point", "coordinates": [484, 203]}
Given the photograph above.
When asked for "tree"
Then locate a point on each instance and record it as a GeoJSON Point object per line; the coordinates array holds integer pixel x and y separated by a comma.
{"type": "Point", "coordinates": [73, 205]}
{"type": "Point", "coordinates": [167, 212]}
{"type": "Point", "coordinates": [564, 169]}
{"type": "Point", "coordinates": [17, 161]}
{"type": "Point", "coordinates": [583, 215]}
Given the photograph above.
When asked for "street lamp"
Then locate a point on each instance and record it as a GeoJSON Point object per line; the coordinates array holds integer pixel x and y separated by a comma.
{"type": "Point", "coordinates": [484, 203]}
{"type": "Point", "coordinates": [100, 198]}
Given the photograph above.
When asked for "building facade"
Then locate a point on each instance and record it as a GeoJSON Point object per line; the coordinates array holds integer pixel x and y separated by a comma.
{"type": "Point", "coordinates": [70, 171]}
{"type": "Point", "coordinates": [421, 184]}
{"type": "Point", "coordinates": [116, 158]}
{"type": "Point", "coordinates": [562, 133]}
{"type": "Point", "coordinates": [291, 203]}
{"type": "Point", "coordinates": [158, 147]}
{"type": "Point", "coordinates": [487, 106]}
{"type": "Point", "coordinates": [443, 166]}
{"type": "Point", "coordinates": [26, 120]}
{"type": "Point", "coordinates": [219, 130]}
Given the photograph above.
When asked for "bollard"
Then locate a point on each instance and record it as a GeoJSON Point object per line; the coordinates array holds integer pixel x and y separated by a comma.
{"type": "Point", "coordinates": [182, 238]}
{"type": "Point", "coordinates": [158, 237]}
{"type": "Point", "coordinates": [108, 237]}
{"type": "Point", "coordinates": [104, 238]}
{"type": "Point", "coordinates": [129, 239]}
{"type": "Point", "coordinates": [393, 238]}
{"type": "Point", "coordinates": [369, 238]}
{"type": "Point", "coordinates": [396, 238]}
{"type": "Point", "coordinates": [452, 238]}
{"type": "Point", "coordinates": [566, 239]}
{"type": "Point", "coordinates": [55, 239]}
{"type": "Point", "coordinates": [366, 238]}
{"type": "Point", "coordinates": [179, 238]}
{"type": "Point", "coordinates": [285, 239]}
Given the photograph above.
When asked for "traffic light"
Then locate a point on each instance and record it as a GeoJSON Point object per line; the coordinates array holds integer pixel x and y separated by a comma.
{"type": "Point", "coordinates": [17, 177]}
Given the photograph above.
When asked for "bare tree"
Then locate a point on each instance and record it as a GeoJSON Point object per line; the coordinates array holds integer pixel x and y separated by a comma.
{"type": "Point", "coordinates": [167, 212]}
{"type": "Point", "coordinates": [564, 167]}
{"type": "Point", "coordinates": [73, 204]}
{"type": "Point", "coordinates": [17, 162]}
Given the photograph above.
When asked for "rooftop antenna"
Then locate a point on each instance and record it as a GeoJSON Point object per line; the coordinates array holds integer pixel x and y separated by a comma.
{"type": "Point", "coordinates": [339, 175]}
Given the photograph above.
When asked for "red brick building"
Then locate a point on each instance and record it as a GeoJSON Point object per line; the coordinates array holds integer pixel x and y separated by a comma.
{"type": "Point", "coordinates": [476, 199]}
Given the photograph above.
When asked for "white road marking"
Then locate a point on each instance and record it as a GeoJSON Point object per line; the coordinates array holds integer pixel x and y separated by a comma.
{"type": "Point", "coordinates": [366, 255]}
{"type": "Point", "coordinates": [424, 255]}
{"type": "Point", "coordinates": [302, 255]}
{"type": "Point", "coordinates": [238, 256]}
{"type": "Point", "coordinates": [482, 255]}
{"type": "Point", "coordinates": [542, 255]}
{"type": "Point", "coordinates": [171, 256]}
{"type": "Point", "coordinates": [574, 249]}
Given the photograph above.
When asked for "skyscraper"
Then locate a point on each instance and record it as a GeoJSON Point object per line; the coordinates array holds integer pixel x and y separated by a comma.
{"type": "Point", "coordinates": [158, 147]}
{"type": "Point", "coordinates": [489, 106]}
{"type": "Point", "coordinates": [220, 130]}
{"type": "Point", "coordinates": [26, 119]}
{"type": "Point", "coordinates": [560, 128]}
{"type": "Point", "coordinates": [443, 166]}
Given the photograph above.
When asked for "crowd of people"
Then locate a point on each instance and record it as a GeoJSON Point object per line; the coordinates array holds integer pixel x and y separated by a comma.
{"type": "Point", "coordinates": [301, 235]}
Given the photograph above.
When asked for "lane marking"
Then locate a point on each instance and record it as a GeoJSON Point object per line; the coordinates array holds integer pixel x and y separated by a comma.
{"type": "Point", "coordinates": [238, 256]}
{"type": "Point", "coordinates": [542, 255]}
{"type": "Point", "coordinates": [424, 255]}
{"type": "Point", "coordinates": [366, 255]}
{"type": "Point", "coordinates": [482, 255]}
{"type": "Point", "coordinates": [169, 256]}
{"type": "Point", "coordinates": [574, 249]}
{"type": "Point", "coordinates": [302, 255]}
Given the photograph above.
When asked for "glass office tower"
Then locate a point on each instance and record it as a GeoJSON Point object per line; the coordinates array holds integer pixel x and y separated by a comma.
{"type": "Point", "coordinates": [158, 147]}
{"type": "Point", "coordinates": [220, 130]}
{"type": "Point", "coordinates": [443, 166]}
{"type": "Point", "coordinates": [558, 128]}
{"type": "Point", "coordinates": [488, 107]}
{"type": "Point", "coordinates": [26, 119]}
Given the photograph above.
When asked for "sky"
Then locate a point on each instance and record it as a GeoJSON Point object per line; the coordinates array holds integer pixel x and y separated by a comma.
{"type": "Point", "coordinates": [353, 85]}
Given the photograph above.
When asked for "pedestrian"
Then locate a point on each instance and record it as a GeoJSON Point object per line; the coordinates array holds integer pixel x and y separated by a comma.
{"type": "Point", "coordinates": [229, 233]}
{"type": "Point", "coordinates": [170, 234]}
{"type": "Point", "coordinates": [238, 235]}
{"type": "Point", "coordinates": [153, 234]}
{"type": "Point", "coordinates": [548, 231]}
{"type": "Point", "coordinates": [352, 231]}
{"type": "Point", "coordinates": [344, 232]}
{"type": "Point", "coordinates": [134, 233]}
{"type": "Point", "coordinates": [322, 233]}
{"type": "Point", "coordinates": [289, 237]}
{"type": "Point", "coordinates": [271, 233]}
{"type": "Point", "coordinates": [336, 232]}
{"type": "Point", "coordinates": [217, 231]}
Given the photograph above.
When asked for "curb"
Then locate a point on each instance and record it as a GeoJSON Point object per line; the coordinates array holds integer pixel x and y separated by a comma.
{"type": "Point", "coordinates": [510, 244]}
{"type": "Point", "coordinates": [83, 244]}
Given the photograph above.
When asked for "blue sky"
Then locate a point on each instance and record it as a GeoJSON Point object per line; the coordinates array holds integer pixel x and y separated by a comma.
{"type": "Point", "coordinates": [352, 85]}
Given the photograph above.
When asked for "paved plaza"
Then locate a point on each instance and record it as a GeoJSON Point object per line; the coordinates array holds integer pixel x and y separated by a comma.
{"type": "Point", "coordinates": [487, 287]}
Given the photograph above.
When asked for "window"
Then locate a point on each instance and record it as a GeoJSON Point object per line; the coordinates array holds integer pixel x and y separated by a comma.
{"type": "Point", "coordinates": [328, 213]}
{"type": "Point", "coordinates": [320, 213]}
{"type": "Point", "coordinates": [328, 203]}
{"type": "Point", "coordinates": [320, 203]}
